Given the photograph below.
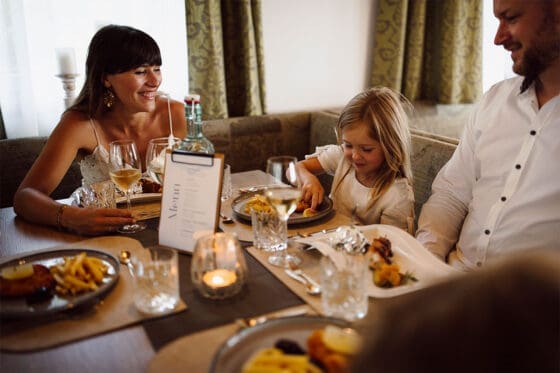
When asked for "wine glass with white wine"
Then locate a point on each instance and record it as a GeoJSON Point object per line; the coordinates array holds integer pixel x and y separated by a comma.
{"type": "Point", "coordinates": [125, 170]}
{"type": "Point", "coordinates": [283, 196]}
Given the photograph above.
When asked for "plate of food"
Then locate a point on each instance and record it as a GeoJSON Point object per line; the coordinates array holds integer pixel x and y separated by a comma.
{"type": "Point", "coordinates": [398, 263]}
{"type": "Point", "coordinates": [49, 282]}
{"type": "Point", "coordinates": [299, 343]}
{"type": "Point", "coordinates": [242, 205]}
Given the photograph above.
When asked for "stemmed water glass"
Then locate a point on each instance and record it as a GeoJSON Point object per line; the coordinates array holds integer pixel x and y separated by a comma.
{"type": "Point", "coordinates": [283, 196]}
{"type": "Point", "coordinates": [125, 170]}
{"type": "Point", "coordinates": [155, 157]}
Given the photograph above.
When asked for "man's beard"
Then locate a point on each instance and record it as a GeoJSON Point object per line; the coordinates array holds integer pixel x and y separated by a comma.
{"type": "Point", "coordinates": [544, 51]}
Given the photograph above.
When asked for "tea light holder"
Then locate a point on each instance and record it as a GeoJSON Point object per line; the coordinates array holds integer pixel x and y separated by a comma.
{"type": "Point", "coordinates": [218, 268]}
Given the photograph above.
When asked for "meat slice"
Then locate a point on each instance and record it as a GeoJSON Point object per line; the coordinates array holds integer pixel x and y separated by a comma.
{"type": "Point", "coordinates": [41, 282]}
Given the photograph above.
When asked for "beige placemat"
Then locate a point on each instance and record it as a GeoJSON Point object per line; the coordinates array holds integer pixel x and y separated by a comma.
{"type": "Point", "coordinates": [310, 264]}
{"type": "Point", "coordinates": [194, 352]}
{"type": "Point", "coordinates": [115, 311]}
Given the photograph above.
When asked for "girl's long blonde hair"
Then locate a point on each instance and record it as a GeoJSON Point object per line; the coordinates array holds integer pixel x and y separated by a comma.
{"type": "Point", "coordinates": [382, 110]}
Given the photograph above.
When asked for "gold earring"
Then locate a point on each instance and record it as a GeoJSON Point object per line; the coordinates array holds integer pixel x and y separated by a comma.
{"type": "Point", "coordinates": [108, 99]}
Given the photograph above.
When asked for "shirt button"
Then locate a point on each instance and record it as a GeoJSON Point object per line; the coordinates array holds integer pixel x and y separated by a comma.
{"type": "Point", "coordinates": [487, 231]}
{"type": "Point", "coordinates": [533, 132]}
{"type": "Point", "coordinates": [518, 166]}
{"type": "Point", "coordinates": [503, 198]}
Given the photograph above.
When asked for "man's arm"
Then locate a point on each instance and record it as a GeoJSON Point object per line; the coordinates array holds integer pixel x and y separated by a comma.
{"type": "Point", "coordinates": [442, 216]}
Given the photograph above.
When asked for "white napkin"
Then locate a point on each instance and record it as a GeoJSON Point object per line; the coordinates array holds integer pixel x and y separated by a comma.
{"type": "Point", "coordinates": [322, 242]}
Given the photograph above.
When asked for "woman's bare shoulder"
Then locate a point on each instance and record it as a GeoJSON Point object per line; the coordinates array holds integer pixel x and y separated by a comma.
{"type": "Point", "coordinates": [74, 127]}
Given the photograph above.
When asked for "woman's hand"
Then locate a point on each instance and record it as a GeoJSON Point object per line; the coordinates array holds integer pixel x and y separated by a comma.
{"type": "Point", "coordinates": [95, 221]}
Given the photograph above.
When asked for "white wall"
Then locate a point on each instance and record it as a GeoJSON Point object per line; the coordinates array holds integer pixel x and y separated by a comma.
{"type": "Point", "coordinates": [31, 96]}
{"type": "Point", "coordinates": [317, 52]}
{"type": "Point", "coordinates": [496, 61]}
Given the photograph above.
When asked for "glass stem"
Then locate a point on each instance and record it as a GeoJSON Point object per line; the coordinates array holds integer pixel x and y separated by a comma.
{"type": "Point", "coordinates": [128, 204]}
{"type": "Point", "coordinates": [282, 253]}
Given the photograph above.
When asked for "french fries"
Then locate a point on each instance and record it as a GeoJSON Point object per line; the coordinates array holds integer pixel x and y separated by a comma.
{"type": "Point", "coordinates": [78, 274]}
{"type": "Point", "coordinates": [274, 360]}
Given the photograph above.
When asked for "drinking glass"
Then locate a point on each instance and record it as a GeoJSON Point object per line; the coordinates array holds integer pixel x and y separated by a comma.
{"type": "Point", "coordinates": [155, 157]}
{"type": "Point", "coordinates": [156, 279]}
{"type": "Point", "coordinates": [125, 171]}
{"type": "Point", "coordinates": [283, 196]}
{"type": "Point", "coordinates": [227, 189]}
{"type": "Point", "coordinates": [344, 293]}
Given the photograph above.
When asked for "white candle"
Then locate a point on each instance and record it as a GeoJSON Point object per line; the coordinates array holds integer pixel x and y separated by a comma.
{"type": "Point", "coordinates": [219, 278]}
{"type": "Point", "coordinates": [66, 61]}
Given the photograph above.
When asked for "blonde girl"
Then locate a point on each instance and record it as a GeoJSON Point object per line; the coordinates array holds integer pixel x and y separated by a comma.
{"type": "Point", "coordinates": [371, 165]}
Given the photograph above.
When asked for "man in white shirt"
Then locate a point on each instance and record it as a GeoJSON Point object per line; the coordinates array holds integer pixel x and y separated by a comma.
{"type": "Point", "coordinates": [500, 191]}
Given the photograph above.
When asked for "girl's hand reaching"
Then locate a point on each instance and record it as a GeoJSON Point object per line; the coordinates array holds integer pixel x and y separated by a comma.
{"type": "Point", "coordinates": [311, 188]}
{"type": "Point", "coordinates": [312, 191]}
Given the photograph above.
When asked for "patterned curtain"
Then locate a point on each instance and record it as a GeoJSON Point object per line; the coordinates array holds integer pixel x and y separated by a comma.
{"type": "Point", "coordinates": [429, 49]}
{"type": "Point", "coordinates": [226, 64]}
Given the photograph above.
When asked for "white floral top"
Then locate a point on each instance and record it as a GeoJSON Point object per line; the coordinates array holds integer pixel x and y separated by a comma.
{"type": "Point", "coordinates": [351, 198]}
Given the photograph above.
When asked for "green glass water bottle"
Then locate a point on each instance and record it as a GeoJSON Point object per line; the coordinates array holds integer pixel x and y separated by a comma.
{"type": "Point", "coordinates": [195, 141]}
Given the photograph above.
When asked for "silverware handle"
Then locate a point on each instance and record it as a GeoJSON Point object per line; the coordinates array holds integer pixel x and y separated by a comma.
{"type": "Point", "coordinates": [296, 277]}
{"type": "Point", "coordinates": [309, 279]}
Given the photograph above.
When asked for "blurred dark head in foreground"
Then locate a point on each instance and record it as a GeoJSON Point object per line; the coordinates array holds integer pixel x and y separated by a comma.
{"type": "Point", "coordinates": [504, 318]}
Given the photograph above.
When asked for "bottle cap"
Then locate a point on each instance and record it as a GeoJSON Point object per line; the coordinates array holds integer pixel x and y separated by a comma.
{"type": "Point", "coordinates": [192, 97]}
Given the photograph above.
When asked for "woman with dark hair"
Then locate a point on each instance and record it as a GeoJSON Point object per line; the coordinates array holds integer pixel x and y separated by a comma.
{"type": "Point", "coordinates": [119, 100]}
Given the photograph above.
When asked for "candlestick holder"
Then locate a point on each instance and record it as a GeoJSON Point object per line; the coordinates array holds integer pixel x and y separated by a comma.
{"type": "Point", "coordinates": [218, 268]}
{"type": "Point", "coordinates": [69, 86]}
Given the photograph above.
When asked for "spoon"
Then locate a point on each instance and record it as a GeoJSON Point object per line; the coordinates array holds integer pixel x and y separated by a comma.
{"type": "Point", "coordinates": [124, 258]}
{"type": "Point", "coordinates": [226, 219]}
{"type": "Point", "coordinates": [311, 287]}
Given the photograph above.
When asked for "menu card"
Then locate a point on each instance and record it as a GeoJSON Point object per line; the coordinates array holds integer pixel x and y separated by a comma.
{"type": "Point", "coordinates": [191, 197]}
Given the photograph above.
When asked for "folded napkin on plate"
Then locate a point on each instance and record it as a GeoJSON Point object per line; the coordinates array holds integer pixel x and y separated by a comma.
{"type": "Point", "coordinates": [346, 240]}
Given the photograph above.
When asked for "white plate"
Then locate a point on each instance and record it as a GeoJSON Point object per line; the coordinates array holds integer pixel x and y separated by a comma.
{"type": "Point", "coordinates": [141, 198]}
{"type": "Point", "coordinates": [235, 352]}
{"type": "Point", "coordinates": [409, 254]}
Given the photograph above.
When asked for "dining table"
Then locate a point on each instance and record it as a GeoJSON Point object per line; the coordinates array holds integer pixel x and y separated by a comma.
{"type": "Point", "coordinates": [187, 339]}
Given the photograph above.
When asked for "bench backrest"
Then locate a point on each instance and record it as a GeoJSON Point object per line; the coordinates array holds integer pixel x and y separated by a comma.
{"type": "Point", "coordinates": [17, 157]}
{"type": "Point", "coordinates": [429, 154]}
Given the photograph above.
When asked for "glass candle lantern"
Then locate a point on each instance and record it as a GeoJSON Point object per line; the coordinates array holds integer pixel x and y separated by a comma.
{"type": "Point", "coordinates": [218, 268]}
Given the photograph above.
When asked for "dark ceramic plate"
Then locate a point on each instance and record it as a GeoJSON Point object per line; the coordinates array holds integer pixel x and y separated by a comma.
{"type": "Point", "coordinates": [238, 207]}
{"type": "Point", "coordinates": [27, 307]}
{"type": "Point", "coordinates": [241, 346]}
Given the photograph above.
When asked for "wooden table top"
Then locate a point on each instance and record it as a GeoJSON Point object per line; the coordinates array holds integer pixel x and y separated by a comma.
{"type": "Point", "coordinates": [125, 350]}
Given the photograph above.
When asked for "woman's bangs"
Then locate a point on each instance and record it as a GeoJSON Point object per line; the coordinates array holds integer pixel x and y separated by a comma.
{"type": "Point", "coordinates": [134, 54]}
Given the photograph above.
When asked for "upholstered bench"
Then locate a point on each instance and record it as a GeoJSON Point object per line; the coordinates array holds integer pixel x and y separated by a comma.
{"type": "Point", "coordinates": [17, 157]}
{"type": "Point", "coordinates": [246, 142]}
